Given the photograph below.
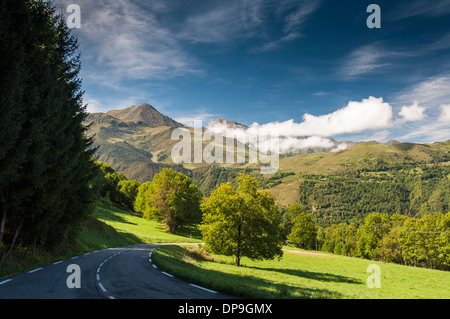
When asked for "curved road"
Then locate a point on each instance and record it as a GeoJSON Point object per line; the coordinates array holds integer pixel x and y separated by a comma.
{"type": "Point", "coordinates": [115, 273]}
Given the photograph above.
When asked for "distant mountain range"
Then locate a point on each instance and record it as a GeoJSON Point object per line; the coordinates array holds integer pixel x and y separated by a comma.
{"type": "Point", "coordinates": [137, 142]}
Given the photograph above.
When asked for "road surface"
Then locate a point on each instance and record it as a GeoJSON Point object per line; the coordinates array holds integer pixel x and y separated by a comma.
{"type": "Point", "coordinates": [115, 273]}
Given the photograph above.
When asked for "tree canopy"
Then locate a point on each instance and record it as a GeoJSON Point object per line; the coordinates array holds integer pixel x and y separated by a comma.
{"type": "Point", "coordinates": [171, 198]}
{"type": "Point", "coordinates": [242, 221]}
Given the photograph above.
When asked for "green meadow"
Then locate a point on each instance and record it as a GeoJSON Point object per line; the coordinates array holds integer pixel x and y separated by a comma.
{"type": "Point", "coordinates": [130, 228]}
{"type": "Point", "coordinates": [304, 275]}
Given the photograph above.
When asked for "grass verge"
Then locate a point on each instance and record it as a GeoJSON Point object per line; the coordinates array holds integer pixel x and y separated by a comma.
{"type": "Point", "coordinates": [110, 226]}
{"type": "Point", "coordinates": [301, 276]}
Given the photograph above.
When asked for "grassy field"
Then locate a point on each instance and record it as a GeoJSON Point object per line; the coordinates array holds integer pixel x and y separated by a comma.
{"type": "Point", "coordinates": [298, 274]}
{"type": "Point", "coordinates": [302, 275]}
{"type": "Point", "coordinates": [134, 229]}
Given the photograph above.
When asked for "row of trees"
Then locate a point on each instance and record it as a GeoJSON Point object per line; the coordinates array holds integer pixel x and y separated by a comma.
{"type": "Point", "coordinates": [240, 220]}
{"type": "Point", "coordinates": [394, 238]}
{"type": "Point", "coordinates": [237, 219]}
{"type": "Point", "coordinates": [46, 165]}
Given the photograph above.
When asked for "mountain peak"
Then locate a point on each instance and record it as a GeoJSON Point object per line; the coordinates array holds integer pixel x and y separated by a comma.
{"type": "Point", "coordinates": [144, 113]}
{"type": "Point", "coordinates": [227, 123]}
{"type": "Point", "coordinates": [143, 107]}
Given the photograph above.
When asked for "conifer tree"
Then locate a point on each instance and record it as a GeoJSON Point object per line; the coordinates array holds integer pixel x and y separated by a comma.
{"type": "Point", "coordinates": [45, 180]}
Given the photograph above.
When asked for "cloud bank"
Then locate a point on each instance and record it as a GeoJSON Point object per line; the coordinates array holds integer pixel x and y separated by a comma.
{"type": "Point", "coordinates": [315, 131]}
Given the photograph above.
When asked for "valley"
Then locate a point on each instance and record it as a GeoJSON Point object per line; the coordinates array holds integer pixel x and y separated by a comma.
{"type": "Point", "coordinates": [406, 178]}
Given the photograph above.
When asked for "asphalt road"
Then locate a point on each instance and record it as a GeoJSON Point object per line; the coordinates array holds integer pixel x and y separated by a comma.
{"type": "Point", "coordinates": [115, 273]}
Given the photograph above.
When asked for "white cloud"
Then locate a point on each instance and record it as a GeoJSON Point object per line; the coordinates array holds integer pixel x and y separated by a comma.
{"type": "Point", "coordinates": [93, 105]}
{"type": "Point", "coordinates": [221, 22]}
{"type": "Point", "coordinates": [294, 14]}
{"type": "Point", "coordinates": [435, 94]}
{"type": "Point", "coordinates": [224, 22]}
{"type": "Point", "coordinates": [428, 133]}
{"type": "Point", "coordinates": [363, 60]}
{"type": "Point", "coordinates": [368, 114]}
{"type": "Point", "coordinates": [420, 7]}
{"type": "Point", "coordinates": [129, 40]}
{"type": "Point", "coordinates": [445, 113]}
{"type": "Point", "coordinates": [195, 118]}
{"type": "Point", "coordinates": [300, 13]}
{"type": "Point", "coordinates": [126, 42]}
{"type": "Point", "coordinates": [432, 92]}
{"type": "Point", "coordinates": [412, 113]}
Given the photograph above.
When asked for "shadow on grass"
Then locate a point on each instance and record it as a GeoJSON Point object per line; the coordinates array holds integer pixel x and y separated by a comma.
{"type": "Point", "coordinates": [319, 276]}
{"type": "Point", "coordinates": [244, 286]}
{"type": "Point", "coordinates": [191, 231]}
{"type": "Point", "coordinates": [106, 212]}
{"type": "Point", "coordinates": [97, 234]}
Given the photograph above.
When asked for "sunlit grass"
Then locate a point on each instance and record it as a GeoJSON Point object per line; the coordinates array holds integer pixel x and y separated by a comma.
{"type": "Point", "coordinates": [302, 276]}
{"type": "Point", "coordinates": [141, 230]}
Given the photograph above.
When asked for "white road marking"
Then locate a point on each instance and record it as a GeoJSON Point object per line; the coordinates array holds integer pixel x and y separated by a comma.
{"type": "Point", "coordinates": [74, 257]}
{"type": "Point", "coordinates": [111, 297]}
{"type": "Point", "coordinates": [154, 266]}
{"type": "Point", "coordinates": [34, 270]}
{"type": "Point", "coordinates": [5, 281]}
{"type": "Point", "coordinates": [166, 274]}
{"type": "Point", "coordinates": [101, 287]}
{"type": "Point", "coordinates": [58, 262]}
{"type": "Point", "coordinates": [98, 277]}
{"type": "Point", "coordinates": [209, 290]}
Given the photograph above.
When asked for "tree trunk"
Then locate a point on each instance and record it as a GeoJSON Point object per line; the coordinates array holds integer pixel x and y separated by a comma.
{"type": "Point", "coordinates": [16, 234]}
{"type": "Point", "coordinates": [238, 258]}
{"type": "Point", "coordinates": [2, 225]}
{"type": "Point", "coordinates": [238, 249]}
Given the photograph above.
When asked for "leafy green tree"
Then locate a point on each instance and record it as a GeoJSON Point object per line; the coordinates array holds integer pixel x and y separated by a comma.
{"type": "Point", "coordinates": [390, 249]}
{"type": "Point", "coordinates": [443, 250]}
{"type": "Point", "coordinates": [304, 231]}
{"type": "Point", "coordinates": [171, 198]}
{"type": "Point", "coordinates": [288, 218]}
{"type": "Point", "coordinates": [370, 235]}
{"type": "Point", "coordinates": [242, 221]}
{"type": "Point", "coordinates": [340, 239]}
{"type": "Point", "coordinates": [128, 190]}
{"type": "Point", "coordinates": [142, 203]}
{"type": "Point", "coordinates": [426, 241]}
{"type": "Point", "coordinates": [114, 186]}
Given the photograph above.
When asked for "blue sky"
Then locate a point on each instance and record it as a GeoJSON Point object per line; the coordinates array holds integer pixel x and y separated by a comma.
{"type": "Point", "coordinates": [312, 65]}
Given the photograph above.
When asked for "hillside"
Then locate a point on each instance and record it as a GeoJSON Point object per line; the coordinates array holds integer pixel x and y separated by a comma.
{"type": "Point", "coordinates": [137, 142]}
{"type": "Point", "coordinates": [337, 186]}
{"type": "Point", "coordinates": [366, 156]}
{"type": "Point", "coordinates": [405, 178]}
